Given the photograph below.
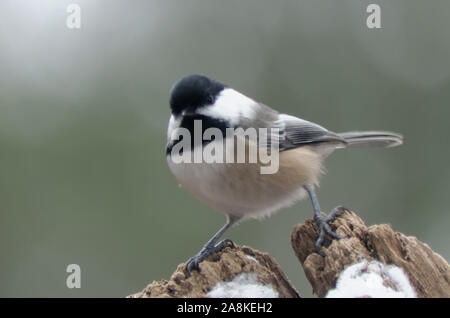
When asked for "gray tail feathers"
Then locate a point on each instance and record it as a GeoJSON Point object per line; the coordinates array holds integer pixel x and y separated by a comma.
{"type": "Point", "coordinates": [372, 139]}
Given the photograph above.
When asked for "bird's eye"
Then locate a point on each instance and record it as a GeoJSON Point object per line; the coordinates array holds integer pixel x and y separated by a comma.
{"type": "Point", "coordinates": [210, 99]}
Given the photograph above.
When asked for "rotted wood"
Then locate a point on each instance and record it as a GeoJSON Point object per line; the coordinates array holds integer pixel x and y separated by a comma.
{"type": "Point", "coordinates": [428, 272]}
{"type": "Point", "coordinates": [223, 266]}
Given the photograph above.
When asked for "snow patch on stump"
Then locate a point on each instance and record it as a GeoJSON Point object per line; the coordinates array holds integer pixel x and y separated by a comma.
{"type": "Point", "coordinates": [243, 286]}
{"type": "Point", "coordinates": [373, 280]}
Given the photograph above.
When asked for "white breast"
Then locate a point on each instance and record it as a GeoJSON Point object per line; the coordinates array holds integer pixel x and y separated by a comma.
{"type": "Point", "coordinates": [241, 190]}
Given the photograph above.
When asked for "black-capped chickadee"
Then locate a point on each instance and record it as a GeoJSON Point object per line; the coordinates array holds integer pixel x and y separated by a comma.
{"type": "Point", "coordinates": [240, 190]}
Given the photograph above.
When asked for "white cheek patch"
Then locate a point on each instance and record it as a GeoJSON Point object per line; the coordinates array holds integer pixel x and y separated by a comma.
{"type": "Point", "coordinates": [173, 124]}
{"type": "Point", "coordinates": [231, 106]}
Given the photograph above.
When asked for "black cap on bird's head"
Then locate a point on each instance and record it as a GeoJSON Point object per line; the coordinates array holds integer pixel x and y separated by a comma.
{"type": "Point", "coordinates": [194, 91]}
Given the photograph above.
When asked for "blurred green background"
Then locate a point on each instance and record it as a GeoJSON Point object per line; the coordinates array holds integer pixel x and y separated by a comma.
{"type": "Point", "coordinates": [83, 116]}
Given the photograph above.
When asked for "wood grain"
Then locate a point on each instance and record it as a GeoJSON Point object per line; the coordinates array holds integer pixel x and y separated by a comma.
{"type": "Point", "coordinates": [428, 272]}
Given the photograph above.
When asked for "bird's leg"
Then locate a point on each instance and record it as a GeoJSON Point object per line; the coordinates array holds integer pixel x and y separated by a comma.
{"type": "Point", "coordinates": [322, 222]}
{"type": "Point", "coordinates": [211, 246]}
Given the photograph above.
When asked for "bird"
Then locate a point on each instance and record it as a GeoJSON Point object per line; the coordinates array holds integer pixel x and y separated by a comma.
{"type": "Point", "coordinates": [239, 190]}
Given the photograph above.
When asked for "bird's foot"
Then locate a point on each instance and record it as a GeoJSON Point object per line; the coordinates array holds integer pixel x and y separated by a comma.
{"type": "Point", "coordinates": [206, 251]}
{"type": "Point", "coordinates": [324, 228]}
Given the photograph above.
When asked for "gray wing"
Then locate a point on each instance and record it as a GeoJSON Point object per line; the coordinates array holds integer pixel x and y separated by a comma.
{"type": "Point", "coordinates": [293, 132]}
{"type": "Point", "coordinates": [296, 132]}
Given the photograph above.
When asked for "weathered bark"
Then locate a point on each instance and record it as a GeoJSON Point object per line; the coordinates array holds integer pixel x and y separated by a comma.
{"type": "Point", "coordinates": [428, 272]}
{"type": "Point", "coordinates": [222, 267]}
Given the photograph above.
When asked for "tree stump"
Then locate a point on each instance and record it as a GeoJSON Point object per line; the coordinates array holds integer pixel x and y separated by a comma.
{"type": "Point", "coordinates": [221, 267]}
{"type": "Point", "coordinates": [428, 272]}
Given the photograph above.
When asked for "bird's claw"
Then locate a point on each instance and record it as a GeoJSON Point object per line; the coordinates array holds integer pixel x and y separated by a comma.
{"type": "Point", "coordinates": [324, 227]}
{"type": "Point", "coordinates": [193, 262]}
